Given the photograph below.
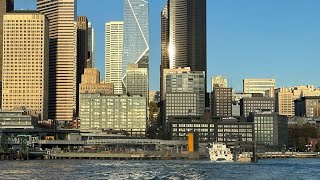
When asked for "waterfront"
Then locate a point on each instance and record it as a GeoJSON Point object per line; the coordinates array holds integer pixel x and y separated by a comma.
{"type": "Point", "coordinates": [101, 169]}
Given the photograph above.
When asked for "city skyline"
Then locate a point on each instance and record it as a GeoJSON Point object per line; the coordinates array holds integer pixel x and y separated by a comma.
{"type": "Point", "coordinates": [240, 45]}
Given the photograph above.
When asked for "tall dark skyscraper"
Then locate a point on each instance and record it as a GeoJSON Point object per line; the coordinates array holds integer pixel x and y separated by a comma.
{"type": "Point", "coordinates": [164, 47]}
{"type": "Point", "coordinates": [5, 7]}
{"type": "Point", "coordinates": [82, 51]}
{"type": "Point", "coordinates": [187, 34]}
{"type": "Point", "coordinates": [183, 36]}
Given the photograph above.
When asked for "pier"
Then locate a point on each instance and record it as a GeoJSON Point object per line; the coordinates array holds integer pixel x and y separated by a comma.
{"type": "Point", "coordinates": [268, 155]}
{"type": "Point", "coordinates": [120, 156]}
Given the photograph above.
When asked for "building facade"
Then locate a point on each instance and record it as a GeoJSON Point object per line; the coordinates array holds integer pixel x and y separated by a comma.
{"type": "Point", "coordinates": [271, 129]}
{"type": "Point", "coordinates": [258, 85]}
{"type": "Point", "coordinates": [168, 72]}
{"type": "Point", "coordinates": [82, 50]}
{"type": "Point", "coordinates": [90, 46]}
{"type": "Point", "coordinates": [229, 131]}
{"type": "Point", "coordinates": [284, 102]}
{"type": "Point", "coordinates": [308, 107]}
{"type": "Point", "coordinates": [114, 46]}
{"type": "Point", "coordinates": [185, 94]}
{"type": "Point", "coordinates": [137, 80]}
{"type": "Point", "coordinates": [62, 57]}
{"type": "Point", "coordinates": [26, 63]}
{"type": "Point", "coordinates": [119, 113]}
{"type": "Point", "coordinates": [164, 47]}
{"type": "Point", "coordinates": [221, 102]}
{"type": "Point", "coordinates": [236, 103]}
{"type": "Point", "coordinates": [90, 83]}
{"type": "Point", "coordinates": [219, 81]}
{"type": "Point", "coordinates": [187, 34]}
{"type": "Point", "coordinates": [254, 104]}
{"type": "Point", "coordinates": [5, 7]}
{"type": "Point", "coordinates": [17, 120]}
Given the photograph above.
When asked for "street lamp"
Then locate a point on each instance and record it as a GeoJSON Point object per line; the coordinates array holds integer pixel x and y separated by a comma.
{"type": "Point", "coordinates": [0, 136]}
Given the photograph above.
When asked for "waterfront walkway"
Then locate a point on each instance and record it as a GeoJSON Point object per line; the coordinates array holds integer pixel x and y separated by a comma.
{"type": "Point", "coordinates": [288, 155]}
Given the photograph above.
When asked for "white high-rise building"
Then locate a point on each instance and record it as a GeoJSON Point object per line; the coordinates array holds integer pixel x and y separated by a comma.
{"type": "Point", "coordinates": [62, 57]}
{"type": "Point", "coordinates": [114, 46]}
{"type": "Point", "coordinates": [26, 63]}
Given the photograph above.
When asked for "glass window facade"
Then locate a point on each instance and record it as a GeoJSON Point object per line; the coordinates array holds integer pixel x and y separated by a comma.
{"type": "Point", "coordinates": [136, 34]}
{"type": "Point", "coordinates": [126, 113]}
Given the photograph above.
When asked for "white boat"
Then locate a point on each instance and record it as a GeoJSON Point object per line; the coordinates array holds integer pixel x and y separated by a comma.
{"type": "Point", "coordinates": [220, 153]}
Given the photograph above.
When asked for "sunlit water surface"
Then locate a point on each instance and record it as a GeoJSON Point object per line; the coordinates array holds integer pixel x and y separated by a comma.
{"type": "Point", "coordinates": [106, 169]}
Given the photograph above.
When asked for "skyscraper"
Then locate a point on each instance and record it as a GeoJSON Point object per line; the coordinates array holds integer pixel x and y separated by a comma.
{"type": "Point", "coordinates": [91, 45]}
{"type": "Point", "coordinates": [136, 34]}
{"type": "Point", "coordinates": [187, 37]}
{"type": "Point", "coordinates": [62, 57]}
{"type": "Point", "coordinates": [26, 63]}
{"type": "Point", "coordinates": [187, 34]}
{"type": "Point", "coordinates": [164, 47]}
{"type": "Point", "coordinates": [5, 7]}
{"type": "Point", "coordinates": [82, 51]}
{"type": "Point", "coordinates": [114, 45]}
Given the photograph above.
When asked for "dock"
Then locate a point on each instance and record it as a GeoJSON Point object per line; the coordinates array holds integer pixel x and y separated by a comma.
{"type": "Point", "coordinates": [270, 155]}
{"type": "Point", "coordinates": [119, 156]}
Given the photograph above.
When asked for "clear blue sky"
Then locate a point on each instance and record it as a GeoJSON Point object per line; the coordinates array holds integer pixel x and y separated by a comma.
{"type": "Point", "coordinates": [246, 38]}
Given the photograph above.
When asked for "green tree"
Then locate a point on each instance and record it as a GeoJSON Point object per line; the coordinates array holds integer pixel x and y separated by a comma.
{"type": "Point", "coordinates": [153, 109]}
{"type": "Point", "coordinates": [301, 145]}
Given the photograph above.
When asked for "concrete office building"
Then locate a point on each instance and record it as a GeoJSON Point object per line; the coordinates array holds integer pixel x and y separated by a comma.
{"type": "Point", "coordinates": [258, 85]}
{"type": "Point", "coordinates": [62, 57]}
{"type": "Point", "coordinates": [90, 83]}
{"type": "Point", "coordinates": [187, 34]}
{"type": "Point", "coordinates": [25, 62]}
{"type": "Point", "coordinates": [136, 35]}
{"type": "Point", "coordinates": [271, 130]}
{"type": "Point", "coordinates": [284, 102]}
{"type": "Point", "coordinates": [185, 94]}
{"type": "Point", "coordinates": [221, 102]}
{"type": "Point", "coordinates": [90, 46]}
{"type": "Point", "coordinates": [308, 107]}
{"type": "Point", "coordinates": [114, 46]}
{"type": "Point", "coordinates": [236, 103]}
{"type": "Point", "coordinates": [137, 80]}
{"type": "Point", "coordinates": [172, 71]}
{"type": "Point", "coordinates": [219, 81]}
{"type": "Point", "coordinates": [164, 48]}
{"type": "Point", "coordinates": [254, 104]}
{"type": "Point", "coordinates": [5, 7]}
{"type": "Point", "coordinates": [119, 113]}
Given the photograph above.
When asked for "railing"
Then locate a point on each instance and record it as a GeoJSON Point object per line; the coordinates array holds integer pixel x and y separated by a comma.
{"type": "Point", "coordinates": [116, 141]}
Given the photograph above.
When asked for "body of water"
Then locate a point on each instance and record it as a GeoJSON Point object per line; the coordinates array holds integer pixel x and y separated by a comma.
{"type": "Point", "coordinates": [106, 169]}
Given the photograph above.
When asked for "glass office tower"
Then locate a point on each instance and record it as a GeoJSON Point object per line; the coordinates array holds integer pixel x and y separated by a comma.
{"type": "Point", "coordinates": [136, 34]}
